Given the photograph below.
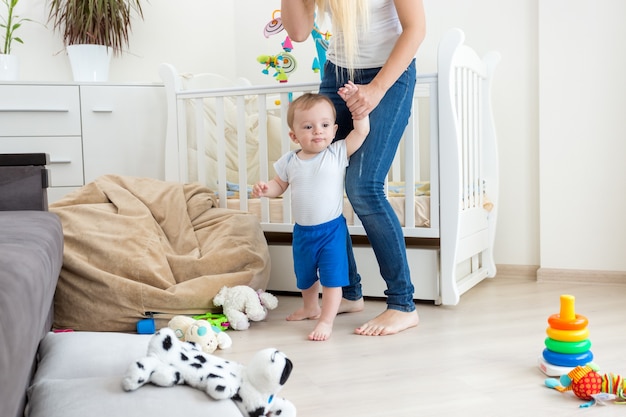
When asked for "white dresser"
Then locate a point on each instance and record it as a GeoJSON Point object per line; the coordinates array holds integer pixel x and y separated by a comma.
{"type": "Point", "coordinates": [87, 129]}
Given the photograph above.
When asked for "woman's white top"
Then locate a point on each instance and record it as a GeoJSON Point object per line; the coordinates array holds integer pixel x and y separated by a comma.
{"type": "Point", "coordinates": [376, 43]}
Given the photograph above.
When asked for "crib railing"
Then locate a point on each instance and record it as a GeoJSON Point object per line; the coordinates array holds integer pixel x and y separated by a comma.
{"type": "Point", "coordinates": [416, 159]}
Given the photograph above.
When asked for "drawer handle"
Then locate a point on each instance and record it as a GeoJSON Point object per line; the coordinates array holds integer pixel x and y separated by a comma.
{"type": "Point", "coordinates": [102, 110]}
{"type": "Point", "coordinates": [34, 110]}
{"type": "Point", "coordinates": [58, 161]}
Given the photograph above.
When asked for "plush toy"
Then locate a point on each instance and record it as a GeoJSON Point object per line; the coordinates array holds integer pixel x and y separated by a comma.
{"type": "Point", "coordinates": [588, 384]}
{"type": "Point", "coordinates": [265, 375]}
{"type": "Point", "coordinates": [242, 303]}
{"type": "Point", "coordinates": [253, 388]}
{"type": "Point", "coordinates": [200, 332]}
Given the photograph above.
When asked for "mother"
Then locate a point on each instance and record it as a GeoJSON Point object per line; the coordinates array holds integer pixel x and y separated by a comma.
{"type": "Point", "coordinates": [373, 43]}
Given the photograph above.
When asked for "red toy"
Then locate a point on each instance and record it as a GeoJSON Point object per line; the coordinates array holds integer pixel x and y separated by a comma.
{"type": "Point", "coordinates": [588, 384]}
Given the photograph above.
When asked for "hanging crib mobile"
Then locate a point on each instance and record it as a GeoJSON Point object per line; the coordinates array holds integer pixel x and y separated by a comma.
{"type": "Point", "coordinates": [284, 63]}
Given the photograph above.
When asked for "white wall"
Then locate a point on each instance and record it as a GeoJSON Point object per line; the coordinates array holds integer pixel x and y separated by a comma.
{"type": "Point", "coordinates": [514, 34]}
{"type": "Point", "coordinates": [583, 141]}
{"type": "Point", "coordinates": [196, 35]}
{"type": "Point", "coordinates": [559, 94]}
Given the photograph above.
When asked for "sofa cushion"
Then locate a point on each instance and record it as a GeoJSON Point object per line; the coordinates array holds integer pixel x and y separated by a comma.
{"type": "Point", "coordinates": [23, 188]}
{"type": "Point", "coordinates": [31, 254]}
{"type": "Point", "coordinates": [23, 181]}
{"type": "Point", "coordinates": [80, 374]}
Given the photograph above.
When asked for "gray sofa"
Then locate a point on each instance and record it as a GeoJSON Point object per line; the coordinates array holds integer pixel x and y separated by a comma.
{"type": "Point", "coordinates": [31, 255]}
{"type": "Point", "coordinates": [69, 374]}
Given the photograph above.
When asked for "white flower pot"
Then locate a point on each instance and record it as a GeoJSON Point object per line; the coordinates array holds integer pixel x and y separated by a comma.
{"type": "Point", "coordinates": [9, 67]}
{"type": "Point", "coordinates": [89, 62]}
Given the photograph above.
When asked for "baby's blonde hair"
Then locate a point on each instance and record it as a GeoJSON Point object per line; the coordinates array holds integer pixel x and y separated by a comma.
{"type": "Point", "coordinates": [304, 102]}
{"type": "Point", "coordinates": [349, 18]}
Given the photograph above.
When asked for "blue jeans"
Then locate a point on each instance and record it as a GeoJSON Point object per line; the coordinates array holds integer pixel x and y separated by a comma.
{"type": "Point", "coordinates": [365, 179]}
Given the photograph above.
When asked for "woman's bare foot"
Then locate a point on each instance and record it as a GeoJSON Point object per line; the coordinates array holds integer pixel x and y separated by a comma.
{"type": "Point", "coordinates": [305, 314]}
{"type": "Point", "coordinates": [321, 332]}
{"type": "Point", "coordinates": [388, 322]}
{"type": "Point", "coordinates": [351, 306]}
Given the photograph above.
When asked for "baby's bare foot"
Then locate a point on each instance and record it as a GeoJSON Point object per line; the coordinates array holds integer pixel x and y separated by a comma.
{"type": "Point", "coordinates": [304, 314]}
{"type": "Point", "coordinates": [351, 306]}
{"type": "Point", "coordinates": [321, 332]}
{"type": "Point", "coordinates": [388, 322]}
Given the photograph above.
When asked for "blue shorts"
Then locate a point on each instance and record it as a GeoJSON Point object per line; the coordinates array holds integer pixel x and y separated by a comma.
{"type": "Point", "coordinates": [321, 248]}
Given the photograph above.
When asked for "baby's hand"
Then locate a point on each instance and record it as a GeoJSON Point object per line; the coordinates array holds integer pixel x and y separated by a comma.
{"type": "Point", "coordinates": [259, 189]}
{"type": "Point", "coordinates": [347, 90]}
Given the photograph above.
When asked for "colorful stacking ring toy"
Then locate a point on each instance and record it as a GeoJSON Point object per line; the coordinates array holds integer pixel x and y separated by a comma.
{"type": "Point", "coordinates": [567, 344]}
{"type": "Point", "coordinates": [567, 335]}
{"type": "Point", "coordinates": [579, 322]}
{"type": "Point", "coordinates": [567, 347]}
{"type": "Point", "coordinates": [567, 359]}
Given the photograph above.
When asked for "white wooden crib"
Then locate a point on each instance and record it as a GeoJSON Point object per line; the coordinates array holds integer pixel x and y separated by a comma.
{"type": "Point", "coordinates": [443, 184]}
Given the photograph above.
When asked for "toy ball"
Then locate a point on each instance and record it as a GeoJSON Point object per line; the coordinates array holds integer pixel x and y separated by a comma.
{"type": "Point", "coordinates": [585, 382]}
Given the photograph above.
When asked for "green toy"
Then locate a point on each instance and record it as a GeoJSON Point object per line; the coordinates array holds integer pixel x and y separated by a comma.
{"type": "Point", "coordinates": [218, 321]}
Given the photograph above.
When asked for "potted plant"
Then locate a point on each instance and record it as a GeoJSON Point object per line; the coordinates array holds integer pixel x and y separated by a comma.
{"type": "Point", "coordinates": [9, 64]}
{"type": "Point", "coordinates": [103, 24]}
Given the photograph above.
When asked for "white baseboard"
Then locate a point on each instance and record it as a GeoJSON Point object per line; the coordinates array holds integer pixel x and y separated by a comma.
{"type": "Point", "coordinates": [581, 276]}
{"type": "Point", "coordinates": [517, 271]}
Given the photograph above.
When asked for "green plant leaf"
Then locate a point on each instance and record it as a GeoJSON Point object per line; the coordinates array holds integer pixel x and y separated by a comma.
{"type": "Point", "coordinates": [10, 24]}
{"type": "Point", "coordinates": [102, 22]}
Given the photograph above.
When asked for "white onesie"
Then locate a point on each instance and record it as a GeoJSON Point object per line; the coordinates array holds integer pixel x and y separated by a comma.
{"type": "Point", "coordinates": [316, 184]}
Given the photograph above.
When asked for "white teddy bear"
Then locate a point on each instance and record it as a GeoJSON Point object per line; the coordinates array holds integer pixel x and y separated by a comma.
{"type": "Point", "coordinates": [242, 303]}
{"type": "Point", "coordinates": [200, 332]}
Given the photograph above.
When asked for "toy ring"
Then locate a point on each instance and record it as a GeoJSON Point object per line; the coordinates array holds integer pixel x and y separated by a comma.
{"type": "Point", "coordinates": [567, 335]}
{"type": "Point", "coordinates": [556, 322]}
{"type": "Point", "coordinates": [569, 360]}
{"type": "Point", "coordinates": [287, 62]}
{"type": "Point", "coordinates": [274, 26]}
{"type": "Point", "coordinates": [567, 347]}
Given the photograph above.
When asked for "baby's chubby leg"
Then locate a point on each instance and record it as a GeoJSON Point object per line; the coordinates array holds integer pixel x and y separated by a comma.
{"type": "Point", "coordinates": [310, 309]}
{"type": "Point", "coordinates": [331, 299]}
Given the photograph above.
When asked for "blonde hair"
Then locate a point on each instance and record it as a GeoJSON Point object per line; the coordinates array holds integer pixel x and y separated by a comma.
{"type": "Point", "coordinates": [306, 101]}
{"type": "Point", "coordinates": [349, 18]}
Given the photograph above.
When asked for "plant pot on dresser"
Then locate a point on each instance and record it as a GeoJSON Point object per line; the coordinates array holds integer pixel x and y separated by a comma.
{"type": "Point", "coordinates": [88, 129]}
{"type": "Point", "coordinates": [89, 62]}
{"type": "Point", "coordinates": [9, 67]}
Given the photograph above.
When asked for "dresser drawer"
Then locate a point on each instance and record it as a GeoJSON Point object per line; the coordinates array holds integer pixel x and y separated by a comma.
{"type": "Point", "coordinates": [57, 193]}
{"type": "Point", "coordinates": [39, 110]}
{"type": "Point", "coordinates": [66, 156]}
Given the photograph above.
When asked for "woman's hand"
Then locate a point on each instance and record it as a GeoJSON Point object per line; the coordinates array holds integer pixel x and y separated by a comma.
{"type": "Point", "coordinates": [364, 100]}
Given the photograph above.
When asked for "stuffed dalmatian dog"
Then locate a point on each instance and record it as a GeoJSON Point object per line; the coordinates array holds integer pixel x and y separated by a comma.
{"type": "Point", "coordinates": [253, 388]}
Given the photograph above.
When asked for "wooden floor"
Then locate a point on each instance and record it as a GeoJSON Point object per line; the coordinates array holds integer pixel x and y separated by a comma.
{"type": "Point", "coordinates": [475, 359]}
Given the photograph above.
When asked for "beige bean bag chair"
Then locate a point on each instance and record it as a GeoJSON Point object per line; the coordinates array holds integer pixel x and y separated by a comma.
{"type": "Point", "coordinates": [139, 247]}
